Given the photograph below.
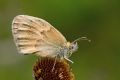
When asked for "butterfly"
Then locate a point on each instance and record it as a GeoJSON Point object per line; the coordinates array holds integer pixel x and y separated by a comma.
{"type": "Point", "coordinates": [34, 35]}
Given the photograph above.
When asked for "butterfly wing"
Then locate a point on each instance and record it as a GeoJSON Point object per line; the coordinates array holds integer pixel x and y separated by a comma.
{"type": "Point", "coordinates": [35, 35]}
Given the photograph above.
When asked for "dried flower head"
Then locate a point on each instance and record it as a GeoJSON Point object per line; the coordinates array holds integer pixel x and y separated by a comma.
{"type": "Point", "coordinates": [43, 69]}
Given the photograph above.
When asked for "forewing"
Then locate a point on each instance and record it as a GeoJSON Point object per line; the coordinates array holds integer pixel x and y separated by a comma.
{"type": "Point", "coordinates": [35, 35]}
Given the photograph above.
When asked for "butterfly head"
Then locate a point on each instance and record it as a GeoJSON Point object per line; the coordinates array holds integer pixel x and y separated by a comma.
{"type": "Point", "coordinates": [72, 47]}
{"type": "Point", "coordinates": [67, 50]}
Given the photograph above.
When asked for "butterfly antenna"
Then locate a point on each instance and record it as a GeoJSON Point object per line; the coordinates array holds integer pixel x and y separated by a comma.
{"type": "Point", "coordinates": [81, 38]}
{"type": "Point", "coordinates": [54, 64]}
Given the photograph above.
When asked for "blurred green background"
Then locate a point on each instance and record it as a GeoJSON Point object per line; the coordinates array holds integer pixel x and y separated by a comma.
{"type": "Point", "coordinates": [99, 20]}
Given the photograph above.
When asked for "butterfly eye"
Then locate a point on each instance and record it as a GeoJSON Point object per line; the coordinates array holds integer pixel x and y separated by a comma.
{"type": "Point", "coordinates": [72, 47]}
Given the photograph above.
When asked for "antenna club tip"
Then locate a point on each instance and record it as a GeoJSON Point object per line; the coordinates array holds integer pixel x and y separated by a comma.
{"type": "Point", "coordinates": [85, 38]}
{"type": "Point", "coordinates": [89, 40]}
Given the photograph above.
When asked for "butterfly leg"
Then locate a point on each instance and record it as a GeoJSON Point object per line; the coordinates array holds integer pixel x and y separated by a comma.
{"type": "Point", "coordinates": [54, 64]}
{"type": "Point", "coordinates": [68, 59]}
